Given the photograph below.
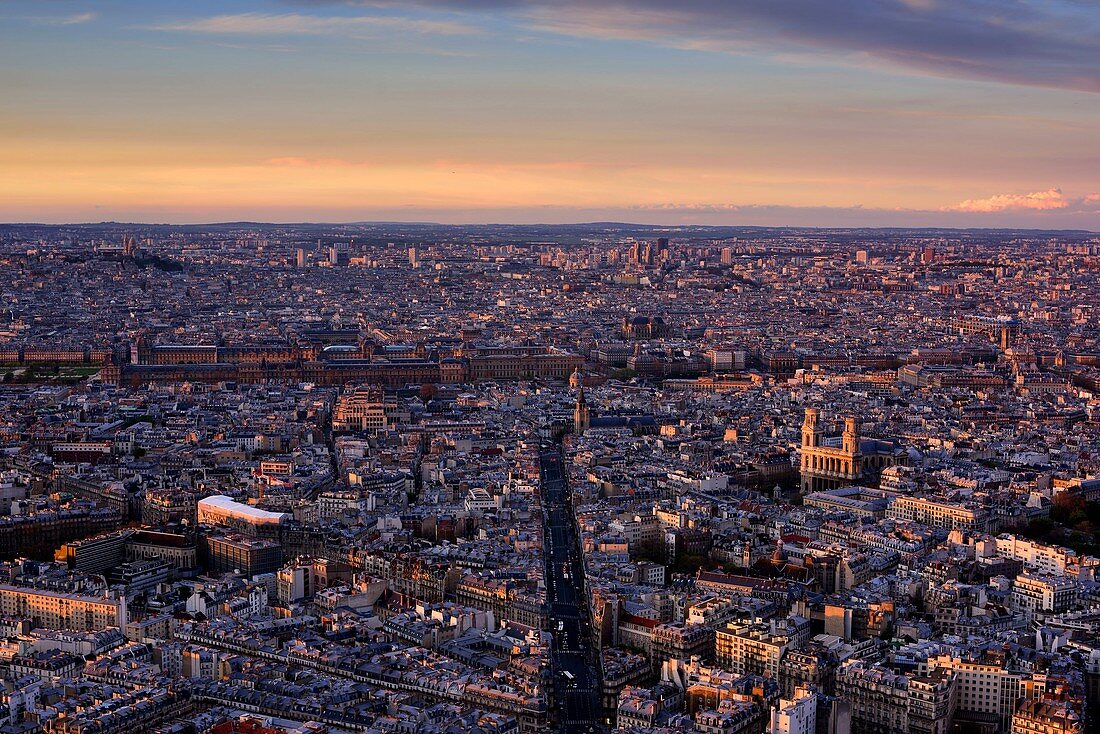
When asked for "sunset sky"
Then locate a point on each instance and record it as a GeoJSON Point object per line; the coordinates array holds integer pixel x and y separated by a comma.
{"type": "Point", "coordinates": [764, 112]}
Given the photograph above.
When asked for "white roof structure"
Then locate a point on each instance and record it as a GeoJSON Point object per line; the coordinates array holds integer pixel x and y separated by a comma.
{"type": "Point", "coordinates": [220, 504]}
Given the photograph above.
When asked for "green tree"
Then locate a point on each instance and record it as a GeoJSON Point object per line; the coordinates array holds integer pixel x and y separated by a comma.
{"type": "Point", "coordinates": [1066, 506]}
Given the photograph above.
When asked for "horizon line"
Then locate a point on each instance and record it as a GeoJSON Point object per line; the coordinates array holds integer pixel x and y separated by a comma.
{"type": "Point", "coordinates": [424, 223]}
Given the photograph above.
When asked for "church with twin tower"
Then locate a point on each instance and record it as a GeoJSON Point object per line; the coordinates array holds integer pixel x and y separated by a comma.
{"type": "Point", "coordinates": [830, 461]}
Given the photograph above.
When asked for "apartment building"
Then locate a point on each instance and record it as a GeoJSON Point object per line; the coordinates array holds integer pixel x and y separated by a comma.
{"type": "Point", "coordinates": [1040, 595]}
{"type": "Point", "coordinates": [987, 690]}
{"type": "Point", "coordinates": [1048, 716]}
{"type": "Point", "coordinates": [797, 715]}
{"type": "Point", "coordinates": [939, 513]}
{"type": "Point", "coordinates": [752, 649]}
{"type": "Point", "coordinates": [59, 610]}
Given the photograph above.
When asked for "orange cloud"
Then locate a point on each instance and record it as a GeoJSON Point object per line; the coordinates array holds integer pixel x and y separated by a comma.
{"type": "Point", "coordinates": [1037, 200]}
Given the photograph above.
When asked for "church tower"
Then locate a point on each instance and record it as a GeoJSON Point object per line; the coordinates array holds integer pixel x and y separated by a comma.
{"type": "Point", "coordinates": [581, 418]}
{"type": "Point", "coordinates": [811, 430]}
{"type": "Point", "coordinates": [850, 437]}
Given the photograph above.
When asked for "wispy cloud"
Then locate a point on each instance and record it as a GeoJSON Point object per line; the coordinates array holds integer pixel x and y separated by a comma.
{"type": "Point", "coordinates": [60, 20]}
{"type": "Point", "coordinates": [77, 18]}
{"type": "Point", "coordinates": [1045, 43]}
{"type": "Point", "coordinates": [287, 24]}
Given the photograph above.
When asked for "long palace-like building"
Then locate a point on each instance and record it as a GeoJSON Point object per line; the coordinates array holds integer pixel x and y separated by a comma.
{"type": "Point", "coordinates": [339, 363]}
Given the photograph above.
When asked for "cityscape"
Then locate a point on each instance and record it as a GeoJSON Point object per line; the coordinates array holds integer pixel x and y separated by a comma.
{"type": "Point", "coordinates": [574, 367]}
{"type": "Point", "coordinates": [377, 478]}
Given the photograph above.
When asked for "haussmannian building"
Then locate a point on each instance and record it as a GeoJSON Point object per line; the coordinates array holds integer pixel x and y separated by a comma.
{"type": "Point", "coordinates": [63, 611]}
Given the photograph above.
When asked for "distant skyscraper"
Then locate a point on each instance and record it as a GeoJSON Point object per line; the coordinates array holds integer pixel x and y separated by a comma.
{"type": "Point", "coordinates": [338, 254]}
{"type": "Point", "coordinates": [301, 257]}
{"type": "Point", "coordinates": [413, 262]}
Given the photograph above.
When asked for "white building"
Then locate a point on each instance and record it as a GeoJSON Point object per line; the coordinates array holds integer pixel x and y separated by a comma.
{"type": "Point", "coordinates": [636, 529]}
{"type": "Point", "coordinates": [222, 510]}
{"type": "Point", "coordinates": [938, 512]}
{"type": "Point", "coordinates": [1040, 557]}
{"type": "Point", "coordinates": [796, 716]}
{"type": "Point", "coordinates": [479, 499]}
{"type": "Point", "coordinates": [1043, 594]}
